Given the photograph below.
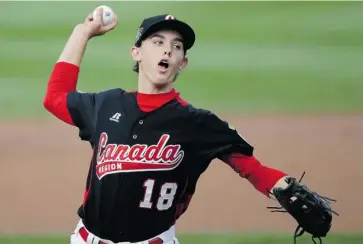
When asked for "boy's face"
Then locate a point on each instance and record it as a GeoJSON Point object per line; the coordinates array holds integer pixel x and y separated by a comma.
{"type": "Point", "coordinates": [161, 57]}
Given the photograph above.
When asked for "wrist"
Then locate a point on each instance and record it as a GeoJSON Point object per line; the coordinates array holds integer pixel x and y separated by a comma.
{"type": "Point", "coordinates": [81, 32]}
{"type": "Point", "coordinates": [281, 183]}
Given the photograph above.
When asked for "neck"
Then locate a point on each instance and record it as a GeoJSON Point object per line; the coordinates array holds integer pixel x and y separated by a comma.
{"type": "Point", "coordinates": [147, 87]}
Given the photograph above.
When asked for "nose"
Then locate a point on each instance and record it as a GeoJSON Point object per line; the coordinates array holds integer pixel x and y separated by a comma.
{"type": "Point", "coordinates": [167, 51]}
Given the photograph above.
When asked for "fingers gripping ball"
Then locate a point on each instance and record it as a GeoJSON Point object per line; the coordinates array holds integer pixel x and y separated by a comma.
{"type": "Point", "coordinates": [108, 15]}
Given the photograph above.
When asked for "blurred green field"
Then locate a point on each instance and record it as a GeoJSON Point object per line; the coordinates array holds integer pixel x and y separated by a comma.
{"type": "Point", "coordinates": [249, 57]}
{"type": "Point", "coordinates": [210, 239]}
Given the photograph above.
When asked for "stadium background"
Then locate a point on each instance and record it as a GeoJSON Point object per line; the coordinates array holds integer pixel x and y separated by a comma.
{"type": "Point", "coordinates": [287, 75]}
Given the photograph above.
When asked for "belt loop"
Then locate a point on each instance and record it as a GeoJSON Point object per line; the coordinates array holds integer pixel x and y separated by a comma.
{"type": "Point", "coordinates": [95, 240]}
{"type": "Point", "coordinates": [90, 238]}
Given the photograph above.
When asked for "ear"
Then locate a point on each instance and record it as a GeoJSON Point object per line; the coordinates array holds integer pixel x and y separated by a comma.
{"type": "Point", "coordinates": [184, 64]}
{"type": "Point", "coordinates": [135, 54]}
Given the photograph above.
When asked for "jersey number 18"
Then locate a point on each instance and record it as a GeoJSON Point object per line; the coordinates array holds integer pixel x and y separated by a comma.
{"type": "Point", "coordinates": [166, 195]}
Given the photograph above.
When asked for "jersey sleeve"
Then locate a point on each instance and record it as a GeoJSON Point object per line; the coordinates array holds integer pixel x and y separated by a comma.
{"type": "Point", "coordinates": [82, 108]}
{"type": "Point", "coordinates": [217, 138]}
{"type": "Point", "coordinates": [72, 106]}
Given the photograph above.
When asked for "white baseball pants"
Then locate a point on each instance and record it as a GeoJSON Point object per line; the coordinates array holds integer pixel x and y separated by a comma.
{"type": "Point", "coordinates": [168, 237]}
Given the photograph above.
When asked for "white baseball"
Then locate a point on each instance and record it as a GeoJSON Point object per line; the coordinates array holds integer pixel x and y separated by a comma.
{"type": "Point", "coordinates": [108, 14]}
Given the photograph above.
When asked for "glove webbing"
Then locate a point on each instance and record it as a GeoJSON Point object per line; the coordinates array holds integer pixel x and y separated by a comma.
{"type": "Point", "coordinates": [302, 231]}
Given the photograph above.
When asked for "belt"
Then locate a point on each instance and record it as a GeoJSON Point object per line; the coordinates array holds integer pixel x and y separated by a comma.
{"type": "Point", "coordinates": [84, 234]}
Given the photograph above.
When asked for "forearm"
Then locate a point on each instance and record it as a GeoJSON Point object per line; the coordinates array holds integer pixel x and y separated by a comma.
{"type": "Point", "coordinates": [63, 79]}
{"type": "Point", "coordinates": [263, 178]}
{"type": "Point", "coordinates": [75, 47]}
{"type": "Point", "coordinates": [65, 75]}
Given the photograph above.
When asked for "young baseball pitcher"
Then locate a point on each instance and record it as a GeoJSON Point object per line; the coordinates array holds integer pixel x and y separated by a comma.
{"type": "Point", "coordinates": [150, 146]}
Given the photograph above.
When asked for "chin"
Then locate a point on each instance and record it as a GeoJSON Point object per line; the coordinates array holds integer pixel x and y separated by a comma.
{"type": "Point", "coordinates": [161, 83]}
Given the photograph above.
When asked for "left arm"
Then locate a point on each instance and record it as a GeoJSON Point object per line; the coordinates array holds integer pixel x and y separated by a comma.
{"type": "Point", "coordinates": [263, 178]}
{"type": "Point", "coordinates": [218, 139]}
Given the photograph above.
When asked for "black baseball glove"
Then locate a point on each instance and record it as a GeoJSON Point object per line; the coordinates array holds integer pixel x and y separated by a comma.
{"type": "Point", "coordinates": [311, 211]}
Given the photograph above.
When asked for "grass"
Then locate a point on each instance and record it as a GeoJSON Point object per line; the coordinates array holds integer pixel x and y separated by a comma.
{"type": "Point", "coordinates": [209, 239]}
{"type": "Point", "coordinates": [249, 56]}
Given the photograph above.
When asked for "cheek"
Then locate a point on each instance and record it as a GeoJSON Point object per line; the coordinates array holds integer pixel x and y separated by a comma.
{"type": "Point", "coordinates": [147, 57]}
{"type": "Point", "coordinates": [178, 61]}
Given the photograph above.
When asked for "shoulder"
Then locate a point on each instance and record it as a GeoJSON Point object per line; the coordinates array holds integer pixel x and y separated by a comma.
{"type": "Point", "coordinates": [207, 120]}
{"type": "Point", "coordinates": [79, 98]}
{"type": "Point", "coordinates": [101, 94]}
{"type": "Point", "coordinates": [188, 107]}
{"type": "Point", "coordinates": [203, 117]}
{"type": "Point", "coordinates": [111, 93]}
{"type": "Point", "coordinates": [198, 115]}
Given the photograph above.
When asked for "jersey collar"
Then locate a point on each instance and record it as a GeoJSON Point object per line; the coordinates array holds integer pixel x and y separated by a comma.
{"type": "Point", "coordinates": [150, 102]}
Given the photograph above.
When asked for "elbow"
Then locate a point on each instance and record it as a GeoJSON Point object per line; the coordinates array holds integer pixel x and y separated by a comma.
{"type": "Point", "coordinates": [51, 100]}
{"type": "Point", "coordinates": [54, 101]}
{"type": "Point", "coordinates": [56, 104]}
{"type": "Point", "coordinates": [62, 81]}
{"type": "Point", "coordinates": [46, 103]}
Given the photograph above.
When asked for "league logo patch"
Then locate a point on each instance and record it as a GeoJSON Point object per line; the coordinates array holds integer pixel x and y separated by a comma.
{"type": "Point", "coordinates": [138, 33]}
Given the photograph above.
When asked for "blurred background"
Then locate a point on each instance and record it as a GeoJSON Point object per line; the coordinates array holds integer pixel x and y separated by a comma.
{"type": "Point", "coordinates": [287, 75]}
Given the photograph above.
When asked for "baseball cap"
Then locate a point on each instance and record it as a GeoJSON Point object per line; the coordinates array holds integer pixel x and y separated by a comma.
{"type": "Point", "coordinates": [166, 21]}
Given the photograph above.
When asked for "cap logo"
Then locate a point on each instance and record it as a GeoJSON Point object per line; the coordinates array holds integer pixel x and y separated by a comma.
{"type": "Point", "coordinates": [169, 17]}
{"type": "Point", "coordinates": [139, 32]}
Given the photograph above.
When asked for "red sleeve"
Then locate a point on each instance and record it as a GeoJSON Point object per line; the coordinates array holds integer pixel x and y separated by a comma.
{"type": "Point", "coordinates": [62, 81]}
{"type": "Point", "coordinates": [261, 177]}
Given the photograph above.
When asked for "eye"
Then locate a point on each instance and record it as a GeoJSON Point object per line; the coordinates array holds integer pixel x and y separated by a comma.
{"type": "Point", "coordinates": [177, 46]}
{"type": "Point", "coordinates": [158, 42]}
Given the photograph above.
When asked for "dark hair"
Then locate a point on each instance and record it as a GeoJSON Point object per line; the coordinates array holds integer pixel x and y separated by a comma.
{"type": "Point", "coordinates": [136, 67]}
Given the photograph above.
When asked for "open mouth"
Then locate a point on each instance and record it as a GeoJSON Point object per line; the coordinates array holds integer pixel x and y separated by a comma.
{"type": "Point", "coordinates": [163, 65]}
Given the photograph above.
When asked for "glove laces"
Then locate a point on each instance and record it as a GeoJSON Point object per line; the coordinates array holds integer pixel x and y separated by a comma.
{"type": "Point", "coordinates": [302, 231]}
{"type": "Point", "coordinates": [299, 230]}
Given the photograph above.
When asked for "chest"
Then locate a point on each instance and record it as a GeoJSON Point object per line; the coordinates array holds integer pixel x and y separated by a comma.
{"type": "Point", "coordinates": [129, 140]}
